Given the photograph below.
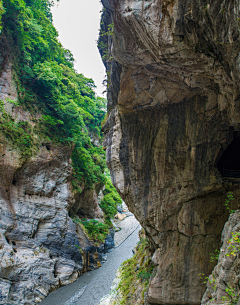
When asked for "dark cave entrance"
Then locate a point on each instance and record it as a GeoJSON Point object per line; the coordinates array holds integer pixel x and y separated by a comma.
{"type": "Point", "coordinates": [229, 162]}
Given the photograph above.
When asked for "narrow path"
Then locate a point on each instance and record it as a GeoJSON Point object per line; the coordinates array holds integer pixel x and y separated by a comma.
{"type": "Point", "coordinates": [92, 286]}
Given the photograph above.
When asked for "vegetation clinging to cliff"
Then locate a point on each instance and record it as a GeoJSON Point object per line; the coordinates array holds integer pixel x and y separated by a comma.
{"type": "Point", "coordinates": [110, 200]}
{"type": "Point", "coordinates": [93, 228]}
{"type": "Point", "coordinates": [47, 83]}
{"type": "Point", "coordinates": [19, 133]}
{"type": "Point", "coordinates": [62, 102]}
{"type": "Point", "coordinates": [1, 13]}
{"type": "Point", "coordinates": [135, 275]}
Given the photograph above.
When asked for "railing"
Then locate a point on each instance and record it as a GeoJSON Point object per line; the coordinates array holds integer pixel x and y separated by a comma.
{"type": "Point", "coordinates": [230, 173]}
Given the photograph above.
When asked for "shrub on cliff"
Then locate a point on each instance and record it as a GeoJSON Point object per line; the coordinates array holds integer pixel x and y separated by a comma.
{"type": "Point", "coordinates": [47, 83]}
{"type": "Point", "coordinates": [110, 201]}
{"type": "Point", "coordinates": [1, 13]}
{"type": "Point", "coordinates": [135, 274]}
{"type": "Point", "coordinates": [94, 229]}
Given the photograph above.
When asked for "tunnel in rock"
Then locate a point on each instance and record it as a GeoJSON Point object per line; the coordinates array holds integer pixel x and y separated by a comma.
{"type": "Point", "coordinates": [229, 162]}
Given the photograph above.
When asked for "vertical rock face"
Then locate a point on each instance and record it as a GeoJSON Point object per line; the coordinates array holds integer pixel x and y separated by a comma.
{"type": "Point", "coordinates": [86, 204]}
{"type": "Point", "coordinates": [39, 244]}
{"type": "Point", "coordinates": [173, 101]}
{"type": "Point", "coordinates": [41, 248]}
{"type": "Point", "coordinates": [223, 283]}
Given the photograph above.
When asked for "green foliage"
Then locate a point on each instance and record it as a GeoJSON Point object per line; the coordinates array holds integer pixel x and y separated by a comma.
{"type": "Point", "coordinates": [203, 277]}
{"type": "Point", "coordinates": [103, 46]}
{"type": "Point", "coordinates": [49, 85]}
{"type": "Point", "coordinates": [110, 200]}
{"type": "Point", "coordinates": [211, 280]}
{"type": "Point", "coordinates": [234, 244]}
{"type": "Point", "coordinates": [234, 248]}
{"type": "Point", "coordinates": [135, 272]}
{"type": "Point", "coordinates": [228, 201]}
{"type": "Point", "coordinates": [86, 167]}
{"type": "Point", "coordinates": [79, 248]}
{"type": "Point", "coordinates": [145, 274]}
{"type": "Point", "coordinates": [2, 11]}
{"type": "Point", "coordinates": [18, 132]}
{"type": "Point", "coordinates": [106, 53]}
{"type": "Point", "coordinates": [67, 108]}
{"type": "Point", "coordinates": [214, 256]}
{"type": "Point", "coordinates": [105, 119]}
{"type": "Point", "coordinates": [109, 32]}
{"type": "Point", "coordinates": [232, 296]}
{"type": "Point", "coordinates": [95, 229]}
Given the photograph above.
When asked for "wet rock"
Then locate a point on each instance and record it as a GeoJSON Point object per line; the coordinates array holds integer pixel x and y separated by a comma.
{"type": "Point", "coordinates": [109, 241]}
{"type": "Point", "coordinates": [120, 208]}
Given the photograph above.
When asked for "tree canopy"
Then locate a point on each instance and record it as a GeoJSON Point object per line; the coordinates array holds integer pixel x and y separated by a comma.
{"type": "Point", "coordinates": [71, 113]}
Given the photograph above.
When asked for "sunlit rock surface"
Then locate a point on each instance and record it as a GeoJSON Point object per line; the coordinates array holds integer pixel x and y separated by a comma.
{"type": "Point", "coordinates": [41, 248]}
{"type": "Point", "coordinates": [174, 106]}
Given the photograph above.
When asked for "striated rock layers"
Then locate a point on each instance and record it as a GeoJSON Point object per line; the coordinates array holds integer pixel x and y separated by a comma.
{"type": "Point", "coordinates": [41, 248]}
{"type": "Point", "coordinates": [174, 107]}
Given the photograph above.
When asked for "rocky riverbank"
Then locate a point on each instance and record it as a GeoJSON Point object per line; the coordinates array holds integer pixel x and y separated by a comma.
{"type": "Point", "coordinates": [41, 247]}
{"type": "Point", "coordinates": [92, 286]}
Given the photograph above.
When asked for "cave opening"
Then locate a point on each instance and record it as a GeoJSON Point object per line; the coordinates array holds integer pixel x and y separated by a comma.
{"type": "Point", "coordinates": [14, 182]}
{"type": "Point", "coordinates": [229, 162]}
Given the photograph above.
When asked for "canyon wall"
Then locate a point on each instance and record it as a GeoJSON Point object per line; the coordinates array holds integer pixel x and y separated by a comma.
{"type": "Point", "coordinates": [223, 283]}
{"type": "Point", "coordinates": [41, 248]}
{"type": "Point", "coordinates": [174, 107]}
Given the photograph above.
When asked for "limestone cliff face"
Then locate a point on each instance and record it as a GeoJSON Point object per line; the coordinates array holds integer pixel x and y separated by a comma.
{"type": "Point", "coordinates": [223, 284]}
{"type": "Point", "coordinates": [41, 248]}
{"type": "Point", "coordinates": [173, 101]}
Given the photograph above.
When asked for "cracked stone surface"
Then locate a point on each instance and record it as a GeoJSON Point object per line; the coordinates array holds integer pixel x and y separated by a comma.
{"type": "Point", "coordinates": [174, 107]}
{"type": "Point", "coordinates": [41, 249]}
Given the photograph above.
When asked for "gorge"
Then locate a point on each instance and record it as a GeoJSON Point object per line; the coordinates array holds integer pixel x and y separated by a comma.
{"type": "Point", "coordinates": [172, 141]}
{"type": "Point", "coordinates": [53, 176]}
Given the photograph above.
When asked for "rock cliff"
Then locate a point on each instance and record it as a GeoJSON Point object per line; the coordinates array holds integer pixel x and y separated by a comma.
{"type": "Point", "coordinates": [223, 283]}
{"type": "Point", "coordinates": [174, 108]}
{"type": "Point", "coordinates": [41, 248]}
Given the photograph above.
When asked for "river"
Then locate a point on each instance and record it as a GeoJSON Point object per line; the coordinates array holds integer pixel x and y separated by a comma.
{"type": "Point", "coordinates": [92, 286]}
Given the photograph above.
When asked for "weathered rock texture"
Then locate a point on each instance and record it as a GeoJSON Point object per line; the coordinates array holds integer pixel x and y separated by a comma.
{"type": "Point", "coordinates": [86, 204]}
{"type": "Point", "coordinates": [40, 246]}
{"type": "Point", "coordinates": [174, 106]}
{"type": "Point", "coordinates": [223, 284]}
